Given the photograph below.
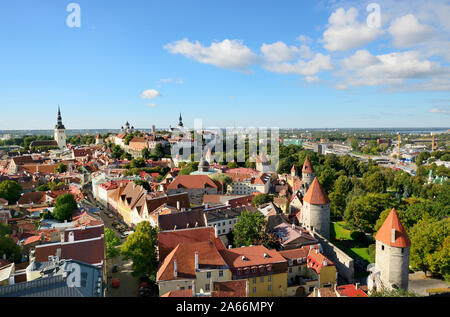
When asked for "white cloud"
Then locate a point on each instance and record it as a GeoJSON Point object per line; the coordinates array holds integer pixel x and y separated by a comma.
{"type": "Point", "coordinates": [405, 70]}
{"type": "Point", "coordinates": [171, 80]}
{"type": "Point", "coordinates": [440, 110]}
{"type": "Point", "coordinates": [407, 31]}
{"type": "Point", "coordinates": [279, 52]}
{"type": "Point", "coordinates": [150, 94]}
{"type": "Point", "coordinates": [304, 38]}
{"type": "Point", "coordinates": [344, 32]}
{"type": "Point", "coordinates": [228, 54]}
{"type": "Point", "coordinates": [151, 105]}
{"type": "Point", "coordinates": [307, 68]}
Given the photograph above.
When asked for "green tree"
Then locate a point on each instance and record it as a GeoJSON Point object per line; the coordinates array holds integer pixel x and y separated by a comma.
{"type": "Point", "coordinates": [64, 206]}
{"type": "Point", "coordinates": [430, 245]}
{"type": "Point", "coordinates": [393, 293]}
{"type": "Point", "coordinates": [327, 178]}
{"type": "Point", "coordinates": [61, 168]}
{"type": "Point", "coordinates": [261, 199]}
{"type": "Point", "coordinates": [111, 242]}
{"type": "Point", "coordinates": [232, 164]}
{"type": "Point", "coordinates": [9, 248]}
{"type": "Point", "coordinates": [224, 179]}
{"type": "Point", "coordinates": [145, 154]}
{"type": "Point", "coordinates": [374, 182]}
{"type": "Point", "coordinates": [249, 228]}
{"type": "Point", "coordinates": [362, 212]}
{"type": "Point", "coordinates": [140, 247]}
{"type": "Point", "coordinates": [159, 151]}
{"type": "Point", "coordinates": [10, 191]}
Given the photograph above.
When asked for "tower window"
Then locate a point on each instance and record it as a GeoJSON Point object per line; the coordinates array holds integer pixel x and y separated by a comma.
{"type": "Point", "coordinates": [382, 248]}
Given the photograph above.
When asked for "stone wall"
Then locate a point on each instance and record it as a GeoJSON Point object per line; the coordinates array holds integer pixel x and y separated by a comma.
{"type": "Point", "coordinates": [342, 261]}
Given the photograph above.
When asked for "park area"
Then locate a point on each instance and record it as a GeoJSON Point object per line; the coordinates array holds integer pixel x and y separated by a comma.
{"type": "Point", "coordinates": [355, 244]}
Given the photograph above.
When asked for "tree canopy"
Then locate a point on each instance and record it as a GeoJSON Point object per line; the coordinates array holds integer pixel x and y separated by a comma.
{"type": "Point", "coordinates": [64, 206]}
{"type": "Point", "coordinates": [10, 191]}
{"type": "Point", "coordinates": [249, 228]}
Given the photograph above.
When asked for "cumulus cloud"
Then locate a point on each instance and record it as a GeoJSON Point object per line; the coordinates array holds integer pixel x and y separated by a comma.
{"type": "Point", "coordinates": [446, 110]}
{"type": "Point", "coordinates": [397, 69]}
{"type": "Point", "coordinates": [228, 54]}
{"type": "Point", "coordinates": [150, 94]}
{"type": "Point", "coordinates": [407, 31]}
{"type": "Point", "coordinates": [307, 68]}
{"type": "Point", "coordinates": [344, 32]}
{"type": "Point", "coordinates": [280, 52]}
{"type": "Point", "coordinates": [151, 105]}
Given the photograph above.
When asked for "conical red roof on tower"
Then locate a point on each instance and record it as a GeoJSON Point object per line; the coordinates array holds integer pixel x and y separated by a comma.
{"type": "Point", "coordinates": [392, 232]}
{"type": "Point", "coordinates": [307, 166]}
{"type": "Point", "coordinates": [316, 195]}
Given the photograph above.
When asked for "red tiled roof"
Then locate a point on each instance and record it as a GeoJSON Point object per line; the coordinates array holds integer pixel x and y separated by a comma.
{"type": "Point", "coordinates": [179, 293]}
{"type": "Point", "coordinates": [184, 255]}
{"type": "Point", "coordinates": [230, 289]}
{"type": "Point", "coordinates": [168, 240]}
{"type": "Point", "coordinates": [350, 291]}
{"type": "Point", "coordinates": [82, 233]}
{"type": "Point", "coordinates": [384, 234]}
{"type": "Point", "coordinates": [316, 195]}
{"type": "Point", "coordinates": [91, 251]}
{"type": "Point", "coordinates": [254, 256]}
{"type": "Point", "coordinates": [192, 181]}
{"type": "Point", "coordinates": [307, 166]}
{"type": "Point", "coordinates": [317, 260]}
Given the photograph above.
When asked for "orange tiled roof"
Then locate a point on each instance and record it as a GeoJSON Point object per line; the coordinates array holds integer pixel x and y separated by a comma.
{"type": "Point", "coordinates": [316, 195]}
{"type": "Point", "coordinates": [384, 234]}
{"type": "Point", "coordinates": [307, 166]}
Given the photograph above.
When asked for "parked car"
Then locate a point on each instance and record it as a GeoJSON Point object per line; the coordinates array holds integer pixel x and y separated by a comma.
{"type": "Point", "coordinates": [115, 268]}
{"type": "Point", "coordinates": [116, 282]}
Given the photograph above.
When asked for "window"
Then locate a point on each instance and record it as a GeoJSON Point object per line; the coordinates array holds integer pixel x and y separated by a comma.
{"type": "Point", "coordinates": [254, 280]}
{"type": "Point", "coordinates": [290, 270]}
{"type": "Point", "coordinates": [269, 287]}
{"type": "Point", "coordinates": [269, 278]}
{"type": "Point", "coordinates": [254, 290]}
{"type": "Point", "coordinates": [382, 247]}
{"type": "Point", "coordinates": [220, 273]}
{"type": "Point", "coordinates": [182, 288]}
{"type": "Point", "coordinates": [311, 289]}
{"type": "Point", "coordinates": [261, 279]}
{"type": "Point", "coordinates": [189, 287]}
{"type": "Point", "coordinates": [208, 274]}
{"type": "Point", "coordinates": [207, 287]}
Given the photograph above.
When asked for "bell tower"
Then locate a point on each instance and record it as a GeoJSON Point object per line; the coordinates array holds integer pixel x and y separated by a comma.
{"type": "Point", "coordinates": [60, 131]}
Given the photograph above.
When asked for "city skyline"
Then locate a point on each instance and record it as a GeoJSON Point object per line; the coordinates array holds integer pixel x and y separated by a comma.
{"type": "Point", "coordinates": [300, 65]}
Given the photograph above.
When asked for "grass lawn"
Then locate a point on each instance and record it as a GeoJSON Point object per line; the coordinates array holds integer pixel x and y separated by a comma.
{"type": "Point", "coordinates": [339, 231]}
{"type": "Point", "coordinates": [340, 236]}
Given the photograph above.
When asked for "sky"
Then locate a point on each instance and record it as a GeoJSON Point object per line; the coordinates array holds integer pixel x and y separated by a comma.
{"type": "Point", "coordinates": [265, 63]}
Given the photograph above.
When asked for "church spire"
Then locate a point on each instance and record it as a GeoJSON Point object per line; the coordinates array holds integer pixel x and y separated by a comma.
{"type": "Point", "coordinates": [59, 124]}
{"type": "Point", "coordinates": [180, 121]}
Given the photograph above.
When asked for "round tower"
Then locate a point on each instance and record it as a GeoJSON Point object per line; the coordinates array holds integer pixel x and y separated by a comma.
{"type": "Point", "coordinates": [307, 173]}
{"type": "Point", "coordinates": [315, 213]}
{"type": "Point", "coordinates": [392, 253]}
{"type": "Point", "coordinates": [60, 131]}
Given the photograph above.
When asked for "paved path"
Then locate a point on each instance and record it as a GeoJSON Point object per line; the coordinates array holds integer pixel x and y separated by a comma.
{"type": "Point", "coordinates": [419, 284]}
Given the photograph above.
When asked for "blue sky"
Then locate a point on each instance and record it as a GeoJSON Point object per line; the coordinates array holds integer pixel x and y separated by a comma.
{"type": "Point", "coordinates": [301, 64]}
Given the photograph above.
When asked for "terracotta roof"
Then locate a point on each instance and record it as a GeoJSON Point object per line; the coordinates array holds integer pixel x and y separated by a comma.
{"type": "Point", "coordinates": [230, 289]}
{"type": "Point", "coordinates": [181, 220]}
{"type": "Point", "coordinates": [253, 256]}
{"type": "Point", "coordinates": [82, 233]}
{"type": "Point", "coordinates": [316, 195]}
{"type": "Point", "coordinates": [192, 181]}
{"type": "Point", "coordinates": [168, 240]}
{"type": "Point", "coordinates": [298, 253]}
{"type": "Point", "coordinates": [91, 251]}
{"type": "Point", "coordinates": [184, 255]}
{"type": "Point", "coordinates": [390, 225]}
{"type": "Point", "coordinates": [317, 260]}
{"type": "Point", "coordinates": [179, 293]}
{"type": "Point", "coordinates": [32, 197]}
{"type": "Point", "coordinates": [307, 167]}
{"type": "Point", "coordinates": [350, 291]}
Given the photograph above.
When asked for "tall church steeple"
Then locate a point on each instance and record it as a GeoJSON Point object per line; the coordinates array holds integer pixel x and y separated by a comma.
{"type": "Point", "coordinates": [180, 121]}
{"type": "Point", "coordinates": [60, 131]}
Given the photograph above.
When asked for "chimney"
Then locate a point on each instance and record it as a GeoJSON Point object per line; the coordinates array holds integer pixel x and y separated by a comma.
{"type": "Point", "coordinates": [193, 288]}
{"type": "Point", "coordinates": [216, 232]}
{"type": "Point", "coordinates": [230, 246]}
{"type": "Point", "coordinates": [316, 292]}
{"type": "Point", "coordinates": [324, 263]}
{"type": "Point", "coordinates": [357, 285]}
{"type": "Point", "coordinates": [247, 288]}
{"type": "Point", "coordinates": [196, 260]}
{"type": "Point", "coordinates": [392, 235]}
{"type": "Point", "coordinates": [178, 205]}
{"type": "Point", "coordinates": [206, 206]}
{"type": "Point", "coordinates": [175, 271]}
